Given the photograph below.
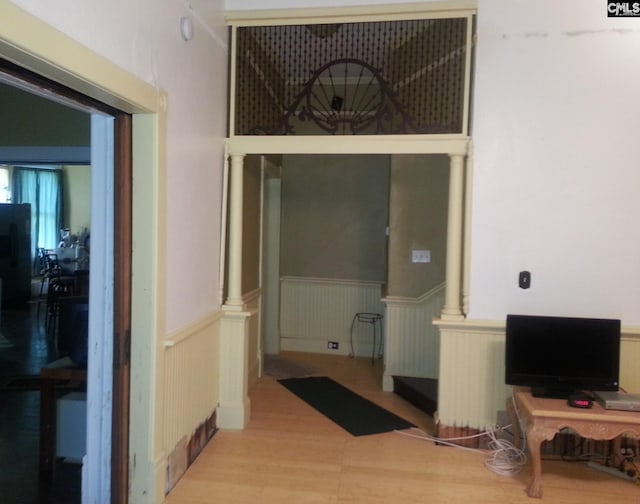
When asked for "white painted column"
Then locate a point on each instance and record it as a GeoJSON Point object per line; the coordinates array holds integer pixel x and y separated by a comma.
{"type": "Point", "coordinates": [452, 308]}
{"type": "Point", "coordinates": [234, 409]}
{"type": "Point", "coordinates": [466, 253]}
{"type": "Point", "coordinates": [234, 298]}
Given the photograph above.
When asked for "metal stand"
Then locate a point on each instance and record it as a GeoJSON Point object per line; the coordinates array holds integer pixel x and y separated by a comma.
{"type": "Point", "coordinates": [373, 319]}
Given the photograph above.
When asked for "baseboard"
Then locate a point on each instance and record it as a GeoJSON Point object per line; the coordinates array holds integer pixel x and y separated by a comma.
{"type": "Point", "coordinates": [187, 450]}
{"type": "Point", "coordinates": [446, 432]}
{"type": "Point", "coordinates": [234, 415]}
{"type": "Point", "coordinates": [322, 347]}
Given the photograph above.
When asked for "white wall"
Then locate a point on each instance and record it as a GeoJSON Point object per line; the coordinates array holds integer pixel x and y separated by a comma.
{"type": "Point", "coordinates": [298, 4]}
{"type": "Point", "coordinates": [556, 160]}
{"type": "Point", "coordinates": [555, 127]}
{"type": "Point", "coordinates": [77, 203]}
{"type": "Point", "coordinates": [554, 132]}
{"type": "Point", "coordinates": [143, 37]}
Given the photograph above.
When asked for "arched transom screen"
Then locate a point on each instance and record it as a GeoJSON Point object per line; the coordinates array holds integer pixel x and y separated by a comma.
{"type": "Point", "coordinates": [368, 78]}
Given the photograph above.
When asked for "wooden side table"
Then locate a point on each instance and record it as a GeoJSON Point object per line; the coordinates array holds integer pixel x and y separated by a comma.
{"type": "Point", "coordinates": [62, 370]}
{"type": "Point", "coordinates": [543, 418]}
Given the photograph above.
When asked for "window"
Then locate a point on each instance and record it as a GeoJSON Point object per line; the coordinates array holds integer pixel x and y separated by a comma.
{"type": "Point", "coordinates": [5, 189]}
{"type": "Point", "coordinates": [42, 188]}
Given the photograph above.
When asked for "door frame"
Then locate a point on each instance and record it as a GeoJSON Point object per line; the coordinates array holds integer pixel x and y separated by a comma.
{"type": "Point", "coordinates": [55, 56]}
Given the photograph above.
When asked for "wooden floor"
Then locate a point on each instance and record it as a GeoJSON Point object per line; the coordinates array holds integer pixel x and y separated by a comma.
{"type": "Point", "coordinates": [289, 453]}
{"type": "Point", "coordinates": [25, 347]}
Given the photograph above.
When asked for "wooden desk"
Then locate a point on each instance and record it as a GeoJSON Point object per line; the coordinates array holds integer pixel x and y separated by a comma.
{"type": "Point", "coordinates": [543, 418]}
{"type": "Point", "coordinates": [81, 282]}
{"type": "Point", "coordinates": [48, 377]}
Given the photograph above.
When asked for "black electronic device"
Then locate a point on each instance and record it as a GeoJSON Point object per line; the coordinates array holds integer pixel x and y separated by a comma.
{"type": "Point", "coordinates": [558, 356]}
{"type": "Point", "coordinates": [580, 400]}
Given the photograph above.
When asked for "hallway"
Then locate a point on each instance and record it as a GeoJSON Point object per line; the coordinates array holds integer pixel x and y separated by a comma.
{"type": "Point", "coordinates": [24, 349]}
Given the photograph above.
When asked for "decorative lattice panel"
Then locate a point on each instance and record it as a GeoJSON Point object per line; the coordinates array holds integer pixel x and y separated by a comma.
{"type": "Point", "coordinates": [395, 77]}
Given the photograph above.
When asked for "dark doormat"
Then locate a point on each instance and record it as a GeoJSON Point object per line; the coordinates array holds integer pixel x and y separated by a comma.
{"type": "Point", "coordinates": [352, 412]}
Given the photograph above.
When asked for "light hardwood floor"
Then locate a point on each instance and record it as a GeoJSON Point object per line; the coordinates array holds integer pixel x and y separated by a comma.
{"type": "Point", "coordinates": [289, 453]}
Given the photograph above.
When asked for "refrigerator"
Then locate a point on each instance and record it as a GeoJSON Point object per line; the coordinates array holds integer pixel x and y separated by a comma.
{"type": "Point", "coordinates": [15, 253]}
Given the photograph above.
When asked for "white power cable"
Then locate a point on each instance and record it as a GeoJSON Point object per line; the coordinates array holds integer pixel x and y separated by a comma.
{"type": "Point", "coordinates": [445, 441]}
{"type": "Point", "coordinates": [502, 457]}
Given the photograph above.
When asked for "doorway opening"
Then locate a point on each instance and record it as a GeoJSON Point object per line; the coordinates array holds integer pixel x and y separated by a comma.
{"type": "Point", "coordinates": [80, 279]}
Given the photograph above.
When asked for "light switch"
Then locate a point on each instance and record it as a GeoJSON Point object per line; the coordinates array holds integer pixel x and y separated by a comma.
{"type": "Point", "coordinates": [421, 256]}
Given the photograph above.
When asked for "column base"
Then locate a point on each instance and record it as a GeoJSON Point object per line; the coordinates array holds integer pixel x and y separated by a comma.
{"type": "Point", "coordinates": [233, 416]}
{"type": "Point", "coordinates": [387, 383]}
{"type": "Point", "coordinates": [451, 315]}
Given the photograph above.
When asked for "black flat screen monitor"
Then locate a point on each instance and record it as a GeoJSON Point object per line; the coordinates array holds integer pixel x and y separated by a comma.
{"type": "Point", "coordinates": [557, 356]}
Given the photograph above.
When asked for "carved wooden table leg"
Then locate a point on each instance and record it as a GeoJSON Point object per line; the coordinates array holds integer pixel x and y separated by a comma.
{"type": "Point", "coordinates": [535, 439]}
{"type": "Point", "coordinates": [543, 418]}
{"type": "Point", "coordinates": [514, 420]}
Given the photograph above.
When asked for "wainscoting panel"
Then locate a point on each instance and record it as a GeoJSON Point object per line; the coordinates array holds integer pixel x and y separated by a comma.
{"type": "Point", "coordinates": [630, 360]}
{"type": "Point", "coordinates": [315, 311]}
{"type": "Point", "coordinates": [252, 306]}
{"type": "Point", "coordinates": [412, 341]}
{"type": "Point", "coordinates": [191, 380]}
{"type": "Point", "coordinates": [471, 388]}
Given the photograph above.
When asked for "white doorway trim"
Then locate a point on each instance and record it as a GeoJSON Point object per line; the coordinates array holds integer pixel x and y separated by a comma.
{"type": "Point", "coordinates": [270, 275]}
{"type": "Point", "coordinates": [96, 470]}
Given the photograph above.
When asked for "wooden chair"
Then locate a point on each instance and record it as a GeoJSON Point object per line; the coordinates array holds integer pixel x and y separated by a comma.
{"type": "Point", "coordinates": [59, 285]}
{"type": "Point", "coordinates": [45, 274]}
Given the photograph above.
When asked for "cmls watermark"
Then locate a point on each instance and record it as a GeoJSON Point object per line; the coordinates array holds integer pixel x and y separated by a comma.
{"type": "Point", "coordinates": [623, 9]}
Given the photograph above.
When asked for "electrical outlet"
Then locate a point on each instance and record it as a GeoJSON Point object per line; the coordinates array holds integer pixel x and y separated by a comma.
{"type": "Point", "coordinates": [503, 418]}
{"type": "Point", "coordinates": [421, 256]}
{"type": "Point", "coordinates": [333, 345]}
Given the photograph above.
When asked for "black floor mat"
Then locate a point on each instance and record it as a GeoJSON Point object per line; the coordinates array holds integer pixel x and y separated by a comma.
{"type": "Point", "coordinates": [352, 412]}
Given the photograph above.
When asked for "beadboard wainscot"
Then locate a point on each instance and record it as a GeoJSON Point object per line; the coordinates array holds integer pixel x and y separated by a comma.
{"type": "Point", "coordinates": [315, 311]}
{"type": "Point", "coordinates": [412, 342]}
{"type": "Point", "coordinates": [629, 359]}
{"type": "Point", "coordinates": [471, 387]}
{"type": "Point", "coordinates": [191, 388]}
{"type": "Point", "coordinates": [252, 303]}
